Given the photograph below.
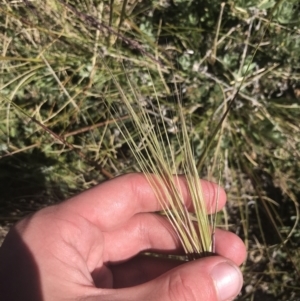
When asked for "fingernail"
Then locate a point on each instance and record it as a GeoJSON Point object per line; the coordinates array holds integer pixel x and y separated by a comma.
{"type": "Point", "coordinates": [228, 280]}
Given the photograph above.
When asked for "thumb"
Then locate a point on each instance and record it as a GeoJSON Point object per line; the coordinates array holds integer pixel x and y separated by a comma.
{"type": "Point", "coordinates": [208, 279]}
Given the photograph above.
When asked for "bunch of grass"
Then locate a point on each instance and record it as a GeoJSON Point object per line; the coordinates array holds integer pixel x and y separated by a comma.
{"type": "Point", "coordinates": [157, 158]}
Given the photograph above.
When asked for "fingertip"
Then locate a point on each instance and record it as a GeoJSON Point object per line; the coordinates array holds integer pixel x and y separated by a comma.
{"type": "Point", "coordinates": [230, 246]}
{"type": "Point", "coordinates": [227, 279]}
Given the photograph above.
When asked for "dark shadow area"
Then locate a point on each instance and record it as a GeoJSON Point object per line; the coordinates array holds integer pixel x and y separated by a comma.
{"type": "Point", "coordinates": [280, 213]}
{"type": "Point", "coordinates": [19, 275]}
{"type": "Point", "coordinates": [23, 186]}
{"type": "Point", "coordinates": [271, 216]}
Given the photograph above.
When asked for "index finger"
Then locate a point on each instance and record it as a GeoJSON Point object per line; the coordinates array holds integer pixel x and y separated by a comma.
{"type": "Point", "coordinates": [112, 203]}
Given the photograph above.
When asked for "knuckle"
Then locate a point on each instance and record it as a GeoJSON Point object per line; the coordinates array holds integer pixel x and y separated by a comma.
{"type": "Point", "coordinates": [181, 288]}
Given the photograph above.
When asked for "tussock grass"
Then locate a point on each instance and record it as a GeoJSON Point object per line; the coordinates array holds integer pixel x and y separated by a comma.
{"type": "Point", "coordinates": [158, 157]}
{"type": "Point", "coordinates": [57, 134]}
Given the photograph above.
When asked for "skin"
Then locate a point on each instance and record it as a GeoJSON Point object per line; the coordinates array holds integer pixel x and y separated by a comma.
{"type": "Point", "coordinates": [89, 248]}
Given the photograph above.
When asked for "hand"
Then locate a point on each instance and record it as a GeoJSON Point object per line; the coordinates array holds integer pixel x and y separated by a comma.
{"type": "Point", "coordinates": [87, 248]}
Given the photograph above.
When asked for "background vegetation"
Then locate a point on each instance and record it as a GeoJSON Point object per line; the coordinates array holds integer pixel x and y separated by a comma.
{"type": "Point", "coordinates": [57, 135]}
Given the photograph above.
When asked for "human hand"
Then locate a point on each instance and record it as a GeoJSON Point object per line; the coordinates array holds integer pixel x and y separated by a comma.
{"type": "Point", "coordinates": [87, 248]}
